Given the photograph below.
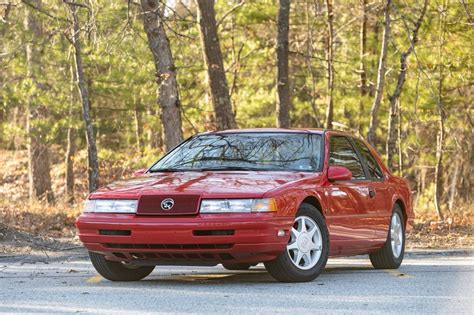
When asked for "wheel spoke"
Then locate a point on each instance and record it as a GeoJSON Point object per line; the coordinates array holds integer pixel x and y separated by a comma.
{"type": "Point", "coordinates": [295, 233]}
{"type": "Point", "coordinates": [316, 246]}
{"type": "Point", "coordinates": [307, 258]}
{"type": "Point", "coordinates": [299, 256]}
{"type": "Point", "coordinates": [303, 225]}
{"type": "Point", "coordinates": [312, 231]}
{"type": "Point", "coordinates": [293, 246]}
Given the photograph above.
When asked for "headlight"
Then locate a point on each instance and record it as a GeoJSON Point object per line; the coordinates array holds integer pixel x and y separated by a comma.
{"type": "Point", "coordinates": [237, 205]}
{"type": "Point", "coordinates": [111, 206]}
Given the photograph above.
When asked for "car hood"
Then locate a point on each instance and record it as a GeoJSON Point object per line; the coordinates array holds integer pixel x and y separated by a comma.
{"type": "Point", "coordinates": [208, 184]}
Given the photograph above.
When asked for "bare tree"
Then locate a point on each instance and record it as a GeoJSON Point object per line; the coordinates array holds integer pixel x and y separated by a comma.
{"type": "Point", "coordinates": [38, 151]}
{"type": "Point", "coordinates": [374, 112]}
{"type": "Point", "coordinates": [330, 63]}
{"type": "Point", "coordinates": [439, 168]}
{"type": "Point", "coordinates": [394, 98]}
{"type": "Point", "coordinates": [168, 94]}
{"type": "Point", "coordinates": [454, 181]}
{"type": "Point", "coordinates": [138, 129]}
{"type": "Point", "coordinates": [215, 66]}
{"type": "Point", "coordinates": [363, 53]}
{"type": "Point", "coordinates": [311, 6]}
{"type": "Point", "coordinates": [93, 162]}
{"type": "Point", "coordinates": [71, 142]}
{"type": "Point", "coordinates": [282, 52]}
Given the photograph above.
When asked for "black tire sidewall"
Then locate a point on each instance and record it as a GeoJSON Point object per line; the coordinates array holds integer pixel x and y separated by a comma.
{"type": "Point", "coordinates": [116, 271]}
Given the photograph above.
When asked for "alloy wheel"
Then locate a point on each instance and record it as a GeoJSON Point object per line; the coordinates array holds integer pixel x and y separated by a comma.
{"type": "Point", "coordinates": [396, 235]}
{"type": "Point", "coordinates": [305, 244]}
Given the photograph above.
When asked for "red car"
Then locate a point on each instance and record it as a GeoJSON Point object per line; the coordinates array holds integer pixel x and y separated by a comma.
{"type": "Point", "coordinates": [287, 198]}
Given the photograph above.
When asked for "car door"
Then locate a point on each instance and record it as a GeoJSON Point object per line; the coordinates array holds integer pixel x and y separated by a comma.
{"type": "Point", "coordinates": [349, 214]}
{"type": "Point", "coordinates": [379, 201]}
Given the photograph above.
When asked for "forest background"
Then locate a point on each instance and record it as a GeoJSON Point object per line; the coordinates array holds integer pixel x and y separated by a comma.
{"type": "Point", "coordinates": [92, 90]}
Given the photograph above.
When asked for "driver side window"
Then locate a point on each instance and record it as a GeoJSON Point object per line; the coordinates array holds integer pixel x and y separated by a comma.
{"type": "Point", "coordinates": [341, 153]}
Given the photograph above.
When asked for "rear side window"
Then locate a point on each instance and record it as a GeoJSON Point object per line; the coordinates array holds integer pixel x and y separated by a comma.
{"type": "Point", "coordinates": [372, 165]}
{"type": "Point", "coordinates": [341, 153]}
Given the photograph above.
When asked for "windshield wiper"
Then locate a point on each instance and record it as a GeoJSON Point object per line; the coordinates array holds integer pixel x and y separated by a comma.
{"type": "Point", "coordinates": [169, 169]}
{"type": "Point", "coordinates": [203, 169]}
{"type": "Point", "coordinates": [230, 168]}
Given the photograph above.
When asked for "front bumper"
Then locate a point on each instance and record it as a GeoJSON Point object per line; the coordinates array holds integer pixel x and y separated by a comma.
{"type": "Point", "coordinates": [205, 239]}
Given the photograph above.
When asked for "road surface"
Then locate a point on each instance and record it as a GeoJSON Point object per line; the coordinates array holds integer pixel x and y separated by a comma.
{"type": "Point", "coordinates": [427, 282]}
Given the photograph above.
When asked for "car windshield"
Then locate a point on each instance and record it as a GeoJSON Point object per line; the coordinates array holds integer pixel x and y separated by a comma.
{"type": "Point", "coordinates": [245, 151]}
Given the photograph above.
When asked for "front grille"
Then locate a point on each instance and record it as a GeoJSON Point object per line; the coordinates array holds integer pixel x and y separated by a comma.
{"type": "Point", "coordinates": [168, 246]}
{"type": "Point", "coordinates": [115, 232]}
{"type": "Point", "coordinates": [179, 256]}
{"type": "Point", "coordinates": [213, 232]}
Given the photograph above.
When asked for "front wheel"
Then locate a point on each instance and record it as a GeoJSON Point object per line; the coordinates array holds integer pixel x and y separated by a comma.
{"type": "Point", "coordinates": [117, 271]}
{"type": "Point", "coordinates": [390, 256]}
{"type": "Point", "coordinates": [307, 251]}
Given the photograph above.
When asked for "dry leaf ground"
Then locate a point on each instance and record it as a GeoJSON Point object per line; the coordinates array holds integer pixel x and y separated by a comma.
{"type": "Point", "coordinates": [42, 224]}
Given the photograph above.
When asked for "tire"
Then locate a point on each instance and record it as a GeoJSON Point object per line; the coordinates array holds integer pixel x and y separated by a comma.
{"type": "Point", "coordinates": [117, 271]}
{"type": "Point", "coordinates": [286, 267]}
{"type": "Point", "coordinates": [237, 266]}
{"type": "Point", "coordinates": [386, 257]}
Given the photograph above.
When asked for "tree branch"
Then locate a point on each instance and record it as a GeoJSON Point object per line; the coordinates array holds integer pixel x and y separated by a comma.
{"type": "Point", "coordinates": [234, 8]}
{"type": "Point", "coordinates": [42, 11]}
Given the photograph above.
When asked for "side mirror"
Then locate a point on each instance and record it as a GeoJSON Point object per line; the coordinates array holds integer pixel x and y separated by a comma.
{"type": "Point", "coordinates": [339, 173]}
{"type": "Point", "coordinates": [139, 172]}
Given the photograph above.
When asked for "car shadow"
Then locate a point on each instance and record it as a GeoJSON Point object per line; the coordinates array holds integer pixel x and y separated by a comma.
{"type": "Point", "coordinates": [256, 275]}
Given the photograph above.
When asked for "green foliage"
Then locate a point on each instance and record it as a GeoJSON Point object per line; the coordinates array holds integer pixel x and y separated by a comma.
{"type": "Point", "coordinates": [120, 73]}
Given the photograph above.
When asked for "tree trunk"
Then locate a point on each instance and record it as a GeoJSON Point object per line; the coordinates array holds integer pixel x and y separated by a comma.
{"type": "Point", "coordinates": [439, 168]}
{"type": "Point", "coordinates": [215, 66]}
{"type": "Point", "coordinates": [93, 163]}
{"type": "Point", "coordinates": [71, 143]}
{"type": "Point", "coordinates": [282, 52]}
{"type": "Point", "coordinates": [399, 140]}
{"type": "Point", "coordinates": [374, 50]}
{"type": "Point", "coordinates": [309, 61]}
{"type": "Point", "coordinates": [168, 94]}
{"type": "Point", "coordinates": [362, 54]}
{"type": "Point", "coordinates": [439, 163]}
{"type": "Point", "coordinates": [392, 122]}
{"type": "Point", "coordinates": [153, 136]}
{"type": "Point", "coordinates": [139, 129]}
{"type": "Point", "coordinates": [374, 112]}
{"type": "Point", "coordinates": [330, 64]}
{"type": "Point", "coordinates": [38, 151]}
{"type": "Point", "coordinates": [454, 182]}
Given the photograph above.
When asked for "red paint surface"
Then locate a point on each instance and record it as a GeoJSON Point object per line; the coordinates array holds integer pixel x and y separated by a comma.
{"type": "Point", "coordinates": [358, 223]}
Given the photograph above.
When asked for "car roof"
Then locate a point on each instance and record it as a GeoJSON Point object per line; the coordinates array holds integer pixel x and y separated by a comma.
{"type": "Point", "coordinates": [270, 130]}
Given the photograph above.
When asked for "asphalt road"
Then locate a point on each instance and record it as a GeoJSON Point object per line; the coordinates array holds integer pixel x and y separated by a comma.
{"type": "Point", "coordinates": [427, 282]}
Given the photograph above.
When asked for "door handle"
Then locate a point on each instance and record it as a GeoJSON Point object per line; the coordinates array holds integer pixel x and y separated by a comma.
{"type": "Point", "coordinates": [371, 192]}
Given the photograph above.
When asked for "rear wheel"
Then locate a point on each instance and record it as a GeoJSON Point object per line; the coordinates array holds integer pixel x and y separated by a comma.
{"type": "Point", "coordinates": [118, 271]}
{"type": "Point", "coordinates": [307, 251]}
{"type": "Point", "coordinates": [390, 256]}
{"type": "Point", "coordinates": [237, 266]}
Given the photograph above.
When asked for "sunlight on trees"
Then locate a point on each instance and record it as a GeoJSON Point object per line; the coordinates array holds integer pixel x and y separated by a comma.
{"type": "Point", "coordinates": [147, 75]}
